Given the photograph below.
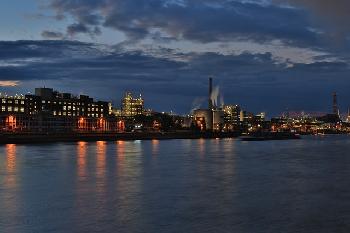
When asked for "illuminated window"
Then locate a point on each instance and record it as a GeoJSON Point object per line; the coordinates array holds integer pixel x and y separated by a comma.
{"type": "Point", "coordinates": [21, 109]}
{"type": "Point", "coordinates": [22, 102]}
{"type": "Point", "coordinates": [64, 108]}
{"type": "Point", "coordinates": [9, 109]}
{"type": "Point", "coordinates": [43, 101]}
{"type": "Point", "coordinates": [9, 101]}
{"type": "Point", "coordinates": [16, 101]}
{"type": "Point", "coordinates": [3, 101]}
{"type": "Point", "coordinates": [3, 108]}
{"type": "Point", "coordinates": [15, 109]}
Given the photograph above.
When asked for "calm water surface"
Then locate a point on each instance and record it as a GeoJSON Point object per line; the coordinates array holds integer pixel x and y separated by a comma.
{"type": "Point", "coordinates": [177, 186]}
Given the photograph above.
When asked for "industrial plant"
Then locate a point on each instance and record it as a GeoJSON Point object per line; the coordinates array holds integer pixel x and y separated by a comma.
{"type": "Point", "coordinates": [51, 112]}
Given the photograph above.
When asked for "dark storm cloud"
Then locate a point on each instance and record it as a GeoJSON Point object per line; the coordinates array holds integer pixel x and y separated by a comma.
{"type": "Point", "coordinates": [204, 21]}
{"type": "Point", "coordinates": [334, 14]}
{"type": "Point", "coordinates": [254, 80]}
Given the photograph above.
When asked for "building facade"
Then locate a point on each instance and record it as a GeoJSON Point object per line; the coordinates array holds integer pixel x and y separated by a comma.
{"type": "Point", "coordinates": [49, 110]}
{"type": "Point", "coordinates": [132, 106]}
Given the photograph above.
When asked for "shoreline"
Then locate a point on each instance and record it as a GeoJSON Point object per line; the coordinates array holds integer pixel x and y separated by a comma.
{"type": "Point", "coordinates": [20, 138]}
{"type": "Point", "coordinates": [43, 138]}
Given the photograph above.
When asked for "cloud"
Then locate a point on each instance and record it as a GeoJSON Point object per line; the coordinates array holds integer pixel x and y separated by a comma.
{"type": "Point", "coordinates": [9, 83]}
{"type": "Point", "coordinates": [334, 14]}
{"type": "Point", "coordinates": [77, 28]}
{"type": "Point", "coordinates": [202, 21]}
{"type": "Point", "coordinates": [52, 35]}
{"type": "Point", "coordinates": [255, 81]}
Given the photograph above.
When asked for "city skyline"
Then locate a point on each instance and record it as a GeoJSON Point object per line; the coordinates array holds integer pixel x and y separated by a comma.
{"type": "Point", "coordinates": [260, 58]}
{"type": "Point", "coordinates": [200, 104]}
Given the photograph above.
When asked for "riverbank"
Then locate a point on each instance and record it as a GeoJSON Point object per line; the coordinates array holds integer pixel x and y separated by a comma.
{"type": "Point", "coordinates": [25, 138]}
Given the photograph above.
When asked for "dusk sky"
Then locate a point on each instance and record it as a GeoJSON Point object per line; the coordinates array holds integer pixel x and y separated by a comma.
{"type": "Point", "coordinates": [265, 55]}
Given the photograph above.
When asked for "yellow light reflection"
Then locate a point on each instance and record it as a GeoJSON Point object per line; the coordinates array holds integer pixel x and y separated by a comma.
{"type": "Point", "coordinates": [101, 159]}
{"type": "Point", "coordinates": [10, 158]}
{"type": "Point", "coordinates": [120, 151]}
{"type": "Point", "coordinates": [81, 159]}
{"type": "Point", "coordinates": [155, 147]}
{"type": "Point", "coordinates": [201, 146]}
{"type": "Point", "coordinates": [10, 178]}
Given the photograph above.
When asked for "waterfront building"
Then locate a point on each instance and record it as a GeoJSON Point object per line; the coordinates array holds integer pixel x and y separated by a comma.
{"type": "Point", "coordinates": [12, 104]}
{"type": "Point", "coordinates": [49, 110]}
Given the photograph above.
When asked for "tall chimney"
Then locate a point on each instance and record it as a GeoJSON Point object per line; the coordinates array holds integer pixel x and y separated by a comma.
{"type": "Point", "coordinates": [335, 104]}
{"type": "Point", "coordinates": [210, 101]}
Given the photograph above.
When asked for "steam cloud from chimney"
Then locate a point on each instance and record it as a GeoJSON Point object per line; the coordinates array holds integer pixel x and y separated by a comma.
{"type": "Point", "coordinates": [215, 95]}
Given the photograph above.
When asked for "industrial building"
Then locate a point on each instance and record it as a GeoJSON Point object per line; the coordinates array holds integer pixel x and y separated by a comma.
{"type": "Point", "coordinates": [132, 106]}
{"type": "Point", "coordinates": [214, 118]}
{"type": "Point", "coordinates": [49, 110]}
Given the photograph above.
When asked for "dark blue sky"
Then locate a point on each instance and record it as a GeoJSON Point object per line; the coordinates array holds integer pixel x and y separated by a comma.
{"type": "Point", "coordinates": [266, 55]}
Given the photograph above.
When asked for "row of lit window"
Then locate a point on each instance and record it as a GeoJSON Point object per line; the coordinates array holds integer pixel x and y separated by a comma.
{"type": "Point", "coordinates": [68, 103]}
{"type": "Point", "coordinates": [75, 114]}
{"type": "Point", "coordinates": [12, 109]}
{"type": "Point", "coordinates": [82, 109]}
{"type": "Point", "coordinates": [9, 101]}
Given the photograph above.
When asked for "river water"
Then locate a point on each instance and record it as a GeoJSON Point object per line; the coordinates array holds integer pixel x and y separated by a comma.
{"type": "Point", "coordinates": [177, 186]}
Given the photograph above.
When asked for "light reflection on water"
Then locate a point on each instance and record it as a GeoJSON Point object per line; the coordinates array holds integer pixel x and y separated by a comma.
{"type": "Point", "coordinates": [81, 160]}
{"type": "Point", "coordinates": [10, 180]}
{"type": "Point", "coordinates": [176, 186]}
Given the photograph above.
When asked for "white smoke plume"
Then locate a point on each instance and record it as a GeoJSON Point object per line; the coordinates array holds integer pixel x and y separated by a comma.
{"type": "Point", "coordinates": [214, 95]}
{"type": "Point", "coordinates": [197, 103]}
{"type": "Point", "coordinates": [222, 102]}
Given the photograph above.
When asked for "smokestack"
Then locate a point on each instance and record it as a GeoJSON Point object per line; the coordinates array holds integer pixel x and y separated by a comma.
{"type": "Point", "coordinates": [210, 101]}
{"type": "Point", "coordinates": [335, 104]}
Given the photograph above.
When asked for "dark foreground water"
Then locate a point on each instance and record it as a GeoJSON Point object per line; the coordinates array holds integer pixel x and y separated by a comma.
{"type": "Point", "coordinates": [177, 186]}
